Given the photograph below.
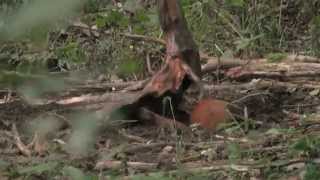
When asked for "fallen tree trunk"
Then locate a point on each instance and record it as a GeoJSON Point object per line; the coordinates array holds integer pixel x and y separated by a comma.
{"type": "Point", "coordinates": [289, 68]}
{"type": "Point", "coordinates": [284, 71]}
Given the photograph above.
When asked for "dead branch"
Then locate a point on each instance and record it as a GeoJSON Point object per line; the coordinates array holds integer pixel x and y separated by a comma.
{"type": "Point", "coordinates": [132, 137]}
{"type": "Point", "coordinates": [114, 98]}
{"type": "Point", "coordinates": [197, 167]}
{"type": "Point", "coordinates": [273, 75]}
{"type": "Point", "coordinates": [109, 164]}
{"type": "Point", "coordinates": [159, 145]}
{"type": "Point", "coordinates": [243, 167]}
{"type": "Point", "coordinates": [20, 145]}
{"type": "Point", "coordinates": [214, 64]}
{"type": "Point", "coordinates": [144, 38]}
{"type": "Point", "coordinates": [302, 58]}
{"type": "Point", "coordinates": [149, 64]}
{"type": "Point", "coordinates": [98, 86]}
{"type": "Point", "coordinates": [284, 70]}
{"type": "Point", "coordinates": [262, 84]}
{"type": "Point", "coordinates": [136, 86]}
{"type": "Point", "coordinates": [145, 147]}
{"type": "Point", "coordinates": [160, 121]}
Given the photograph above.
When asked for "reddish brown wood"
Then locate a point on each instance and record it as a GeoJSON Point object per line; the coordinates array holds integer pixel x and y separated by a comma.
{"type": "Point", "coordinates": [182, 54]}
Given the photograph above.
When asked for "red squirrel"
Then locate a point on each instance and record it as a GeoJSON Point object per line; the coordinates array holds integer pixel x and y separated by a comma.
{"type": "Point", "coordinates": [210, 113]}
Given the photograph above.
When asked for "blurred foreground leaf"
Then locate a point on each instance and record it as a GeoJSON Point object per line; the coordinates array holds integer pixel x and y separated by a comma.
{"type": "Point", "coordinates": [38, 169]}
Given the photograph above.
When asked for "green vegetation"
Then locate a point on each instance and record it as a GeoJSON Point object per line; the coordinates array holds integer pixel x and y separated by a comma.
{"type": "Point", "coordinates": [244, 28]}
{"type": "Point", "coordinates": [276, 57]}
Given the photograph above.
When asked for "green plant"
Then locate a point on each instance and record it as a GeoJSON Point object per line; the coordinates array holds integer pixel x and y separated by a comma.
{"type": "Point", "coordinates": [251, 28]}
{"type": "Point", "coordinates": [315, 34]}
{"type": "Point", "coordinates": [71, 54]}
{"type": "Point", "coordinates": [276, 57]}
{"type": "Point", "coordinates": [49, 168]}
{"type": "Point", "coordinates": [114, 18]}
{"type": "Point", "coordinates": [77, 174]}
{"type": "Point", "coordinates": [234, 152]}
{"type": "Point", "coordinates": [307, 145]}
{"type": "Point", "coordinates": [129, 64]}
{"type": "Point", "coordinates": [312, 172]}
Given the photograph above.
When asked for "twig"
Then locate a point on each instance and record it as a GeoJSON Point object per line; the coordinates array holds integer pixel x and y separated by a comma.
{"type": "Point", "coordinates": [242, 140]}
{"type": "Point", "coordinates": [260, 84]}
{"type": "Point", "coordinates": [248, 96]}
{"type": "Point", "coordinates": [104, 86]}
{"type": "Point", "coordinates": [268, 149]}
{"type": "Point", "coordinates": [146, 147]}
{"type": "Point", "coordinates": [141, 37]}
{"type": "Point", "coordinates": [149, 64]}
{"type": "Point", "coordinates": [274, 75]}
{"type": "Point", "coordinates": [243, 167]}
{"type": "Point", "coordinates": [215, 63]}
{"type": "Point", "coordinates": [149, 116]}
{"type": "Point", "coordinates": [132, 137]}
{"type": "Point", "coordinates": [138, 85]}
{"type": "Point", "coordinates": [109, 164]}
{"type": "Point", "coordinates": [20, 145]}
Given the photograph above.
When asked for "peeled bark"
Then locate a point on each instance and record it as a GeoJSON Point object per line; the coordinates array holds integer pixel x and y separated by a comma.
{"type": "Point", "coordinates": [182, 54]}
{"type": "Point", "coordinates": [181, 69]}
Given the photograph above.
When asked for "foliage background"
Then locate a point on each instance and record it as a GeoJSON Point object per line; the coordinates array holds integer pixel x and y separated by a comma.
{"type": "Point", "coordinates": [242, 28]}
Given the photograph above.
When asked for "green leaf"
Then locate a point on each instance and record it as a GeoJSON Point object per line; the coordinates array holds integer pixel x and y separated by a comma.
{"type": "Point", "coordinates": [316, 21]}
{"type": "Point", "coordinates": [3, 164]}
{"type": "Point", "coordinates": [74, 173]}
{"type": "Point", "coordinates": [71, 52]}
{"type": "Point", "coordinates": [115, 18]}
{"type": "Point", "coordinates": [245, 43]}
{"type": "Point", "coordinates": [237, 3]}
{"type": "Point", "coordinates": [38, 169]}
{"type": "Point", "coordinates": [312, 172]}
{"type": "Point", "coordinates": [234, 151]}
{"type": "Point", "coordinates": [130, 64]}
{"type": "Point", "coordinates": [101, 22]}
{"type": "Point", "coordinates": [276, 57]}
{"type": "Point", "coordinates": [141, 16]}
{"type": "Point", "coordinates": [301, 145]}
{"type": "Point", "coordinates": [309, 145]}
{"type": "Point", "coordinates": [274, 132]}
{"type": "Point", "coordinates": [242, 44]}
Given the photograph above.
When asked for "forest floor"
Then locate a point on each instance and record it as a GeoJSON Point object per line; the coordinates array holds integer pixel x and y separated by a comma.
{"type": "Point", "coordinates": [277, 139]}
{"type": "Point", "coordinates": [65, 135]}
